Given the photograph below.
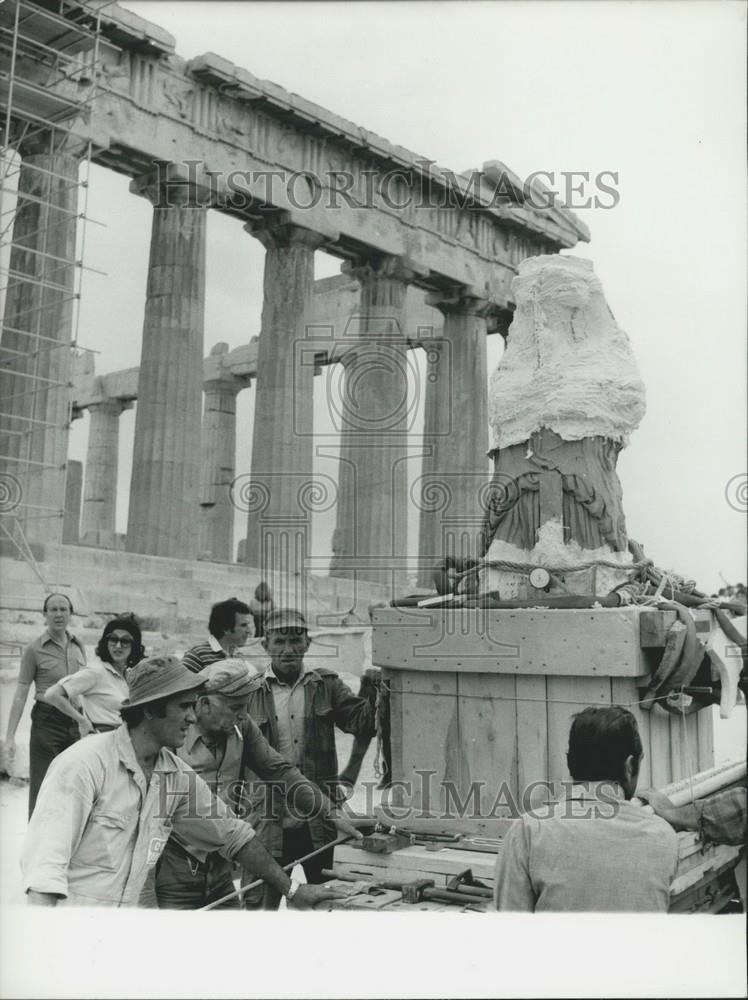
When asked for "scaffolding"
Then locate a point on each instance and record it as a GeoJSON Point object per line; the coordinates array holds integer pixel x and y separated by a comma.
{"type": "Point", "coordinates": [50, 70]}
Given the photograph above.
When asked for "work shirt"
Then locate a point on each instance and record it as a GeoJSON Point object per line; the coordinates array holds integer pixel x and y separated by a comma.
{"type": "Point", "coordinates": [100, 689]}
{"type": "Point", "coordinates": [220, 766]}
{"type": "Point", "coordinates": [592, 851]}
{"type": "Point", "coordinates": [289, 714]}
{"type": "Point", "coordinates": [97, 830]}
{"type": "Point", "coordinates": [46, 661]}
{"type": "Point", "coordinates": [328, 703]}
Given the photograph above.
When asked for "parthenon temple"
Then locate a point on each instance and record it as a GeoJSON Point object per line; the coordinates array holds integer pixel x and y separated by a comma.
{"type": "Point", "coordinates": [428, 256]}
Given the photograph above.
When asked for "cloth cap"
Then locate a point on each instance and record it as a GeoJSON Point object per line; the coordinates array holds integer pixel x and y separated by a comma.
{"type": "Point", "coordinates": [158, 677]}
{"type": "Point", "coordinates": [232, 678]}
{"type": "Point", "coordinates": [285, 618]}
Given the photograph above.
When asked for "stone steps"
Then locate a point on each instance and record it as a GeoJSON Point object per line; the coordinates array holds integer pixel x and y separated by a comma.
{"type": "Point", "coordinates": [166, 591]}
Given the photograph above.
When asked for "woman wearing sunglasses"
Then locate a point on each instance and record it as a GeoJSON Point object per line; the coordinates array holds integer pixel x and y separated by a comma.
{"type": "Point", "coordinates": [93, 696]}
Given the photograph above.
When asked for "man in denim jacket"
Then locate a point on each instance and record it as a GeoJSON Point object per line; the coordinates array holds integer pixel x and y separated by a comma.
{"type": "Point", "coordinates": [297, 709]}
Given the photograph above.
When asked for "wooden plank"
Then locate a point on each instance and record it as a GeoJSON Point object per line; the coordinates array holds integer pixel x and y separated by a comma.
{"type": "Point", "coordinates": [659, 741]}
{"type": "Point", "coordinates": [490, 829]}
{"type": "Point", "coordinates": [592, 642]}
{"type": "Point", "coordinates": [566, 697]}
{"type": "Point", "coordinates": [446, 861]}
{"type": "Point", "coordinates": [705, 736]}
{"type": "Point", "coordinates": [396, 735]}
{"type": "Point", "coordinates": [625, 692]}
{"type": "Point", "coordinates": [653, 627]}
{"type": "Point", "coordinates": [532, 736]}
{"type": "Point", "coordinates": [678, 763]}
{"type": "Point", "coordinates": [487, 709]}
{"type": "Point", "coordinates": [429, 736]}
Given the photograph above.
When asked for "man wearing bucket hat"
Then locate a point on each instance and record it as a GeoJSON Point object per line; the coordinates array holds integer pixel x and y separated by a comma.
{"type": "Point", "coordinates": [109, 804]}
{"type": "Point", "coordinates": [297, 708]}
{"type": "Point", "coordinates": [220, 741]}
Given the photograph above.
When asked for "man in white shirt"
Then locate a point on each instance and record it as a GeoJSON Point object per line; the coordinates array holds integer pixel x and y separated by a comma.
{"type": "Point", "coordinates": [593, 850]}
{"type": "Point", "coordinates": [109, 804]}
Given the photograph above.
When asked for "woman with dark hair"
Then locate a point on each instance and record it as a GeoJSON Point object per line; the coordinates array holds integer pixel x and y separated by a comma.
{"type": "Point", "coordinates": [260, 606]}
{"type": "Point", "coordinates": [93, 696]}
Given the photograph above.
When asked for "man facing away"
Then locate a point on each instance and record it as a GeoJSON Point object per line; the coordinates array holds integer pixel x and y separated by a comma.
{"type": "Point", "coordinates": [109, 804]}
{"type": "Point", "coordinates": [594, 850]}
{"type": "Point", "coordinates": [218, 745]}
{"type": "Point", "coordinates": [229, 625]}
{"type": "Point", "coordinates": [297, 709]}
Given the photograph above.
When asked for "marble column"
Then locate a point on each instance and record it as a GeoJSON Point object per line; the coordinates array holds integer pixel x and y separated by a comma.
{"type": "Point", "coordinates": [279, 523]}
{"type": "Point", "coordinates": [98, 522]}
{"type": "Point", "coordinates": [73, 489]}
{"type": "Point", "coordinates": [455, 467]}
{"type": "Point", "coordinates": [163, 517]}
{"type": "Point", "coordinates": [218, 468]}
{"type": "Point", "coordinates": [370, 540]}
{"type": "Point", "coordinates": [35, 350]}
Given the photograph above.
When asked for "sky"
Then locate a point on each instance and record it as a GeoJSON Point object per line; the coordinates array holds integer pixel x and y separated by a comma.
{"type": "Point", "coordinates": [651, 92]}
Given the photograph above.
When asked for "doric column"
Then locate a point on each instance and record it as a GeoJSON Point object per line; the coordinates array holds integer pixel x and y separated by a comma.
{"type": "Point", "coordinates": [218, 464]}
{"type": "Point", "coordinates": [102, 459]}
{"type": "Point", "coordinates": [163, 517]}
{"type": "Point", "coordinates": [35, 354]}
{"type": "Point", "coordinates": [279, 525]}
{"type": "Point", "coordinates": [73, 489]}
{"type": "Point", "coordinates": [455, 467]}
{"type": "Point", "coordinates": [370, 540]}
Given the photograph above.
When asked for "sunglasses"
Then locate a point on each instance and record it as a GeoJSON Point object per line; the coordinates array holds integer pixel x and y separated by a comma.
{"type": "Point", "coordinates": [119, 642]}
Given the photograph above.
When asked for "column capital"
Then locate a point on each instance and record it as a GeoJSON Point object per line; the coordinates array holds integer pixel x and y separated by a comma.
{"type": "Point", "coordinates": [224, 383]}
{"type": "Point", "coordinates": [277, 232]}
{"type": "Point", "coordinates": [388, 268]}
{"type": "Point", "coordinates": [460, 300]}
{"type": "Point", "coordinates": [169, 186]}
{"type": "Point", "coordinates": [68, 145]}
{"type": "Point", "coordinates": [110, 404]}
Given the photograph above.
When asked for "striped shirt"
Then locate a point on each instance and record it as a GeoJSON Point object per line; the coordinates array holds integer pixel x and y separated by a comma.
{"type": "Point", "coordinates": [202, 654]}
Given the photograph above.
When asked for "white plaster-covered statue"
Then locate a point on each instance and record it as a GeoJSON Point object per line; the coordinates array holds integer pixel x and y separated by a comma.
{"type": "Point", "coordinates": [562, 403]}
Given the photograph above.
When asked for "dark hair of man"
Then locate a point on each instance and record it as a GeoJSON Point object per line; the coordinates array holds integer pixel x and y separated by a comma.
{"type": "Point", "coordinates": [134, 716]}
{"type": "Point", "coordinates": [600, 740]}
{"type": "Point", "coordinates": [223, 616]}
{"type": "Point", "coordinates": [49, 597]}
{"type": "Point", "coordinates": [127, 623]}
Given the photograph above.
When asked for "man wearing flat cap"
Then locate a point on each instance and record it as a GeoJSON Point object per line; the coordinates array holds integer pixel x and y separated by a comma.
{"type": "Point", "coordinates": [297, 708]}
{"type": "Point", "coordinates": [109, 804]}
{"type": "Point", "coordinates": [219, 743]}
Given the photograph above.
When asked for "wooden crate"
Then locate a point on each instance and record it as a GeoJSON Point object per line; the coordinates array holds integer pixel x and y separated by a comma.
{"type": "Point", "coordinates": [482, 700]}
